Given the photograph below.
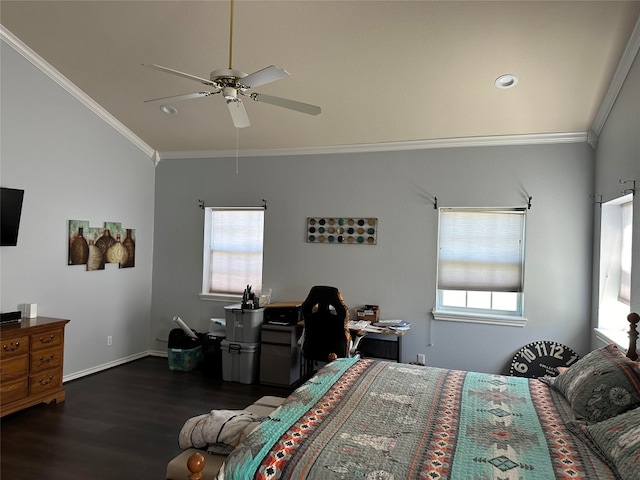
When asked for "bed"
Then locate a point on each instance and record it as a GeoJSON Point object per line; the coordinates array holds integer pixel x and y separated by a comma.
{"type": "Point", "coordinates": [368, 419]}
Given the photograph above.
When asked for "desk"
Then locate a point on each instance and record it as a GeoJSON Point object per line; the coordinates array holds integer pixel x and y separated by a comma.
{"type": "Point", "coordinates": [386, 345]}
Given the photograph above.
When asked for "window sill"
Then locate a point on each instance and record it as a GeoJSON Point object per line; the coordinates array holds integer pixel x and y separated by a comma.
{"type": "Point", "coordinates": [620, 338]}
{"type": "Point", "coordinates": [475, 318]}
{"type": "Point", "coordinates": [214, 297]}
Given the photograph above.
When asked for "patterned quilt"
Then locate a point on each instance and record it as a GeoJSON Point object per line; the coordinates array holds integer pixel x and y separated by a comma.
{"type": "Point", "coordinates": [365, 419]}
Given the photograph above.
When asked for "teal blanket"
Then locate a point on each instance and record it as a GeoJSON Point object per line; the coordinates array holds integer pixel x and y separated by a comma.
{"type": "Point", "coordinates": [365, 419]}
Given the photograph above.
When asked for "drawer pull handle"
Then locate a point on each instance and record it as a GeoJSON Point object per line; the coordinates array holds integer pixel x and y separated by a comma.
{"type": "Point", "coordinates": [15, 347]}
{"type": "Point", "coordinates": [46, 382]}
{"type": "Point", "coordinates": [47, 360]}
{"type": "Point", "coordinates": [47, 340]}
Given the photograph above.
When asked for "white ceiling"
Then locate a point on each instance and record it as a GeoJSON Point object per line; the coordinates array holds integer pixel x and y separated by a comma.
{"type": "Point", "coordinates": [382, 71]}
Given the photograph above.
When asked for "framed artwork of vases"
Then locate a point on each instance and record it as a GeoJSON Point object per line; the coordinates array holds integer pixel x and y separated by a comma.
{"type": "Point", "coordinates": [94, 247]}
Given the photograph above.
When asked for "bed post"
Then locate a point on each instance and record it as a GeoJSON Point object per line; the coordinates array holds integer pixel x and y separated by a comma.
{"type": "Point", "coordinates": [195, 464]}
{"type": "Point", "coordinates": [633, 335]}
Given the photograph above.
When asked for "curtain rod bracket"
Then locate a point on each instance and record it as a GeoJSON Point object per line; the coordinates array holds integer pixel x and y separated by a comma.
{"type": "Point", "coordinates": [597, 199]}
{"type": "Point", "coordinates": [264, 203]}
{"type": "Point", "coordinates": [435, 203]}
{"type": "Point", "coordinates": [529, 202]}
{"type": "Point", "coordinates": [201, 204]}
{"type": "Point", "coordinates": [631, 190]}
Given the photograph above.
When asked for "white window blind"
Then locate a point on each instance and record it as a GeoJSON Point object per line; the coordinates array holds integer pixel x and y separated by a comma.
{"type": "Point", "coordinates": [235, 249]}
{"type": "Point", "coordinates": [481, 249]}
{"type": "Point", "coordinates": [626, 210]}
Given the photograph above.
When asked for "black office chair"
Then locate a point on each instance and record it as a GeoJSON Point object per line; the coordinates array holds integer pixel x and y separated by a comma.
{"type": "Point", "coordinates": [326, 333]}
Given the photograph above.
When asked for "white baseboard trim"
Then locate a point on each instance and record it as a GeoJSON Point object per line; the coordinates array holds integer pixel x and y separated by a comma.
{"type": "Point", "coordinates": [158, 353]}
{"type": "Point", "coordinates": [114, 363]}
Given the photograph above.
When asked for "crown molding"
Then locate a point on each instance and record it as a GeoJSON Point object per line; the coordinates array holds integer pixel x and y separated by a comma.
{"type": "Point", "coordinates": [628, 57]}
{"type": "Point", "coordinates": [489, 141]}
{"type": "Point", "coordinates": [42, 65]}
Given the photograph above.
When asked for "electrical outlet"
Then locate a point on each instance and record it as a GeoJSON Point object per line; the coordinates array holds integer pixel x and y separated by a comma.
{"type": "Point", "coordinates": [110, 341]}
{"type": "Point", "coordinates": [422, 359]}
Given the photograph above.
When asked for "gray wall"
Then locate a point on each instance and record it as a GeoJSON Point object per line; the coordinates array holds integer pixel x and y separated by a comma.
{"type": "Point", "coordinates": [618, 157]}
{"type": "Point", "coordinates": [399, 272]}
{"type": "Point", "coordinates": [73, 165]}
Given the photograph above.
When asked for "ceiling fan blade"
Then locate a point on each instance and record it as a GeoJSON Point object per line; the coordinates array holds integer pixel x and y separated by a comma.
{"type": "Point", "coordinates": [286, 103]}
{"type": "Point", "coordinates": [182, 74]}
{"type": "Point", "coordinates": [238, 113]}
{"type": "Point", "coordinates": [178, 98]}
{"type": "Point", "coordinates": [261, 77]}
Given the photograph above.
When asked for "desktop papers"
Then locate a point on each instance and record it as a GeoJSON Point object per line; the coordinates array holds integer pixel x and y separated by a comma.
{"type": "Point", "coordinates": [365, 326]}
{"type": "Point", "coordinates": [380, 327]}
{"type": "Point", "coordinates": [394, 325]}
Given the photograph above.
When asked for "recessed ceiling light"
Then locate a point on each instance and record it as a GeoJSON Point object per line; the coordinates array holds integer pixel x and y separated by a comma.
{"type": "Point", "coordinates": [168, 109]}
{"type": "Point", "coordinates": [506, 81]}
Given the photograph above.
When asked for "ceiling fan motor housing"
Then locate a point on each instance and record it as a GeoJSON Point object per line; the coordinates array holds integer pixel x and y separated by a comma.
{"type": "Point", "coordinates": [227, 78]}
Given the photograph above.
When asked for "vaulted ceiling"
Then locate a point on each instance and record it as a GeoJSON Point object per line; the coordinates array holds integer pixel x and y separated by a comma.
{"type": "Point", "coordinates": [382, 71]}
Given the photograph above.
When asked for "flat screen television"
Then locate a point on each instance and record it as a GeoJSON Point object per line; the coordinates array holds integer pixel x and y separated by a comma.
{"type": "Point", "coordinates": [10, 212]}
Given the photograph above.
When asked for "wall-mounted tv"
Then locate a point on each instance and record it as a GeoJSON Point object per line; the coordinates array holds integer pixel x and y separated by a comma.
{"type": "Point", "coordinates": [10, 211]}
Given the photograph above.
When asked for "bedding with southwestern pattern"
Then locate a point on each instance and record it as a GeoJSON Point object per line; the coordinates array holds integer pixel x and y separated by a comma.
{"type": "Point", "coordinates": [368, 419]}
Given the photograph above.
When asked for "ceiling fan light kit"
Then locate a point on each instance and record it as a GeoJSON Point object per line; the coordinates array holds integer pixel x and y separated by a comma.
{"type": "Point", "coordinates": [233, 84]}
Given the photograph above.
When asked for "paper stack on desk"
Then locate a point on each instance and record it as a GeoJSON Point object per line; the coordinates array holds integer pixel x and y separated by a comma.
{"type": "Point", "coordinates": [374, 329]}
{"type": "Point", "coordinates": [394, 325]}
{"type": "Point", "coordinates": [359, 325]}
{"type": "Point", "coordinates": [365, 326]}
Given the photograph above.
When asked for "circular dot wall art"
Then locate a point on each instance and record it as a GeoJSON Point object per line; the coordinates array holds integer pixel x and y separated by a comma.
{"type": "Point", "coordinates": [344, 230]}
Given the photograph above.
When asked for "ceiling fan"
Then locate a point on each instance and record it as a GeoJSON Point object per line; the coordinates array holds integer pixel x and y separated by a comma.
{"type": "Point", "coordinates": [233, 84]}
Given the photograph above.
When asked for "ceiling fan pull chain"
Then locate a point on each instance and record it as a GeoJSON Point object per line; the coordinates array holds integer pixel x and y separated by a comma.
{"type": "Point", "coordinates": [237, 145]}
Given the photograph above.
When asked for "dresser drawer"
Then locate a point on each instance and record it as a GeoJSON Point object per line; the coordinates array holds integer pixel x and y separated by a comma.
{"type": "Point", "coordinates": [44, 381]}
{"type": "Point", "coordinates": [12, 391]}
{"type": "Point", "coordinates": [49, 339]}
{"type": "Point", "coordinates": [14, 347]}
{"type": "Point", "coordinates": [14, 367]}
{"type": "Point", "coordinates": [45, 359]}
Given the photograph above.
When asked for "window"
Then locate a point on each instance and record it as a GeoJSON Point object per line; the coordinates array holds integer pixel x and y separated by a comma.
{"type": "Point", "coordinates": [233, 247]}
{"type": "Point", "coordinates": [616, 223]}
{"type": "Point", "coordinates": [626, 214]}
{"type": "Point", "coordinates": [481, 265]}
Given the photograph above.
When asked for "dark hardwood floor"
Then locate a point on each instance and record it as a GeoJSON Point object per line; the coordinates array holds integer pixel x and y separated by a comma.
{"type": "Point", "coordinates": [122, 423]}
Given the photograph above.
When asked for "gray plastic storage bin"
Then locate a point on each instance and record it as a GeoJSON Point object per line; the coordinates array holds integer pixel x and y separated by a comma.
{"type": "Point", "coordinates": [240, 361]}
{"type": "Point", "coordinates": [243, 325]}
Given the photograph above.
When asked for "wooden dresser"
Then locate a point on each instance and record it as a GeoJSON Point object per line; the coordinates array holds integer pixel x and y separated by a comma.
{"type": "Point", "coordinates": [31, 359]}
